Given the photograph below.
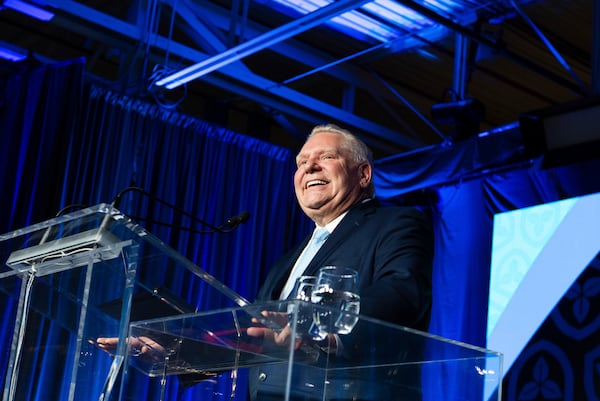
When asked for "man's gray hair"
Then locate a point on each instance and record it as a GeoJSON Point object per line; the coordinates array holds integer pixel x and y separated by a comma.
{"type": "Point", "coordinates": [357, 149]}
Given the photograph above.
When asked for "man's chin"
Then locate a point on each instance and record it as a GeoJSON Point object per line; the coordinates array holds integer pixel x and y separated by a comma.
{"type": "Point", "coordinates": [314, 205]}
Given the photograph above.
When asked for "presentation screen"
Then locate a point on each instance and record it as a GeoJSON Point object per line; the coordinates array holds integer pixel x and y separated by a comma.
{"type": "Point", "coordinates": [537, 254]}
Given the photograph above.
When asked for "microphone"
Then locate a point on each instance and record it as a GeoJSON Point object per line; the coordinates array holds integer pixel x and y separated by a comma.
{"type": "Point", "coordinates": [235, 221]}
{"type": "Point", "coordinates": [230, 224]}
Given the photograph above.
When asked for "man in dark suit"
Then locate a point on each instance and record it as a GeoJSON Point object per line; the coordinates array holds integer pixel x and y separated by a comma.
{"type": "Point", "coordinates": [390, 247]}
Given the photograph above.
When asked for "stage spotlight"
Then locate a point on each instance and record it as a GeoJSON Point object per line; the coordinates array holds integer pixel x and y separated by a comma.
{"type": "Point", "coordinates": [563, 134]}
{"type": "Point", "coordinates": [465, 115]}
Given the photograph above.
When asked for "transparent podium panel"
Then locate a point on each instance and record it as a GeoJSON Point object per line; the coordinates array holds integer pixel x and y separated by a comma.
{"type": "Point", "coordinates": [78, 277]}
{"type": "Point", "coordinates": [219, 355]}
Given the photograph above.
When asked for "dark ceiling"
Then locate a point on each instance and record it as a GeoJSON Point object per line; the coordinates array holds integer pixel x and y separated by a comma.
{"type": "Point", "coordinates": [515, 56]}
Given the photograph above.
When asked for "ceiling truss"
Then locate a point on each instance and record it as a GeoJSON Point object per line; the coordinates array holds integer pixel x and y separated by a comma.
{"type": "Point", "coordinates": [222, 58]}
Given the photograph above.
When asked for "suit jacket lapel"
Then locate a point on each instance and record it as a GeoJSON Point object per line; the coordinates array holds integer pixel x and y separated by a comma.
{"type": "Point", "coordinates": [354, 219]}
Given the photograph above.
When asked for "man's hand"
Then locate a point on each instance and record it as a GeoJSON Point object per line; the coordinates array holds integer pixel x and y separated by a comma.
{"type": "Point", "coordinates": [106, 343]}
{"type": "Point", "coordinates": [138, 346]}
{"type": "Point", "coordinates": [282, 337]}
{"type": "Point", "coordinates": [276, 335]}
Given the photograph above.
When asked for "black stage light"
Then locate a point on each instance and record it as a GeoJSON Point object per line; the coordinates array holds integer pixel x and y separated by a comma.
{"type": "Point", "coordinates": [563, 134]}
{"type": "Point", "coordinates": [466, 115]}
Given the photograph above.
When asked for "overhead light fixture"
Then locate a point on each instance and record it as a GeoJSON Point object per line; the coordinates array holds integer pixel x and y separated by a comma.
{"type": "Point", "coordinates": [366, 26]}
{"type": "Point", "coordinates": [29, 9]}
{"type": "Point", "coordinates": [382, 20]}
{"type": "Point", "coordinates": [562, 134]}
{"type": "Point", "coordinates": [465, 115]}
{"type": "Point", "coordinates": [11, 52]}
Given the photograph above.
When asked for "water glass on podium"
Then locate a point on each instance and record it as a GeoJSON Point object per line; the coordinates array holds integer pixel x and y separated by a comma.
{"type": "Point", "coordinates": [336, 288]}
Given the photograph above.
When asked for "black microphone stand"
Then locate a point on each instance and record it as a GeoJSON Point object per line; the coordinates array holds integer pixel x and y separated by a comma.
{"type": "Point", "coordinates": [230, 224]}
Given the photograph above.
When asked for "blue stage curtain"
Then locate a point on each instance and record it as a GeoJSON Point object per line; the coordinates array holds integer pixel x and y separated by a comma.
{"type": "Point", "coordinates": [37, 106]}
{"type": "Point", "coordinates": [65, 142]}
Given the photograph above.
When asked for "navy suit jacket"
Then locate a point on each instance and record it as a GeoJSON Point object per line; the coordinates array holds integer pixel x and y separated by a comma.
{"type": "Point", "coordinates": [392, 250]}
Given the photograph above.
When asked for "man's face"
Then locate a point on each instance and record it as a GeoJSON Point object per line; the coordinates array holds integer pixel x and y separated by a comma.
{"type": "Point", "coordinates": [328, 181]}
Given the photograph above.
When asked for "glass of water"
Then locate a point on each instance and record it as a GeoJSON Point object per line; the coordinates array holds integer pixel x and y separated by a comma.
{"type": "Point", "coordinates": [301, 313]}
{"type": "Point", "coordinates": [336, 289]}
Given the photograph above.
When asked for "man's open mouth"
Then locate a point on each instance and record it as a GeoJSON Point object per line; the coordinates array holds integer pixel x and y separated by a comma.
{"type": "Point", "coordinates": [313, 183]}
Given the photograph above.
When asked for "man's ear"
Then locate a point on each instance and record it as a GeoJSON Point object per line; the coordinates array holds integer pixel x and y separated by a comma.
{"type": "Point", "coordinates": [365, 172]}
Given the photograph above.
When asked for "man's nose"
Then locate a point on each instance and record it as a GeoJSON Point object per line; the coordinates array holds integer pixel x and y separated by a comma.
{"type": "Point", "coordinates": [312, 165]}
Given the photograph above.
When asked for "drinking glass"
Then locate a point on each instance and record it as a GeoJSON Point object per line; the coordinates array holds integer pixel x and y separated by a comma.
{"type": "Point", "coordinates": [302, 312]}
{"type": "Point", "coordinates": [336, 290]}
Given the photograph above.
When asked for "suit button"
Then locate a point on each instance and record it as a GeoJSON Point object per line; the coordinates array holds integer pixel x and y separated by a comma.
{"type": "Point", "coordinates": [262, 376]}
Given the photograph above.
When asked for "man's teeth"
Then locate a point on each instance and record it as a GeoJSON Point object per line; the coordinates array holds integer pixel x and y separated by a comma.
{"type": "Point", "coordinates": [316, 182]}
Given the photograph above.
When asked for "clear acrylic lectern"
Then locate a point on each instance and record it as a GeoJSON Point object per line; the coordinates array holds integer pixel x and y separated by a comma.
{"type": "Point", "coordinates": [376, 361]}
{"type": "Point", "coordinates": [78, 277]}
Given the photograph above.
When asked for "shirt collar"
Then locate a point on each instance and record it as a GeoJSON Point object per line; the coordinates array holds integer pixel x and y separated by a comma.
{"type": "Point", "coordinates": [335, 222]}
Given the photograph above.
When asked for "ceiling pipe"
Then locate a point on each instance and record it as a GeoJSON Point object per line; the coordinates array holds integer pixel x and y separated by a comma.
{"type": "Point", "coordinates": [28, 9]}
{"type": "Point", "coordinates": [259, 43]}
{"type": "Point", "coordinates": [460, 67]}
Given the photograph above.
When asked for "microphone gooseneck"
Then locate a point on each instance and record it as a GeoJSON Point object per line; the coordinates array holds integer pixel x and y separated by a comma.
{"type": "Point", "coordinates": [230, 224]}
